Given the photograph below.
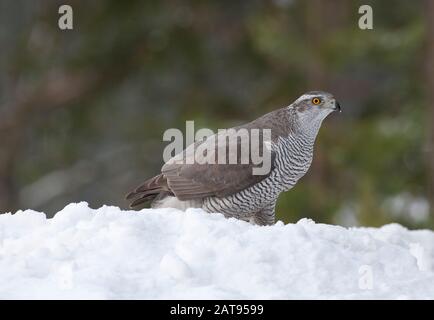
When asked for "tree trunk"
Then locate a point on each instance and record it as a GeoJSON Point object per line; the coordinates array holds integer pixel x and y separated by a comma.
{"type": "Point", "coordinates": [322, 19]}
{"type": "Point", "coordinates": [6, 186]}
{"type": "Point", "coordinates": [430, 95]}
{"type": "Point", "coordinates": [54, 92]}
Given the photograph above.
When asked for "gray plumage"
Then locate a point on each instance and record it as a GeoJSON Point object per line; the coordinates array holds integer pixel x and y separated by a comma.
{"type": "Point", "coordinates": [232, 189]}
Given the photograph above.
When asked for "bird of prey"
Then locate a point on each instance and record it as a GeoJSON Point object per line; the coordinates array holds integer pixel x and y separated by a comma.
{"type": "Point", "coordinates": [232, 188]}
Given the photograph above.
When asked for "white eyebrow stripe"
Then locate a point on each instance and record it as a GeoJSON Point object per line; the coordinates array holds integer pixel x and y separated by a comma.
{"type": "Point", "coordinates": [306, 96]}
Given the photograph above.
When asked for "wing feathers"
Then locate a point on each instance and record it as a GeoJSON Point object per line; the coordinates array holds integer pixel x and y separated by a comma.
{"type": "Point", "coordinates": [192, 181]}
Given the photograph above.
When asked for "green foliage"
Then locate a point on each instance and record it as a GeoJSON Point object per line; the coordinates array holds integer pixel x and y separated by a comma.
{"type": "Point", "coordinates": [221, 64]}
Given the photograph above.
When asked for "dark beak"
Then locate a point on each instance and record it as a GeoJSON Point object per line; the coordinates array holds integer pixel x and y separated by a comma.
{"type": "Point", "coordinates": [338, 106]}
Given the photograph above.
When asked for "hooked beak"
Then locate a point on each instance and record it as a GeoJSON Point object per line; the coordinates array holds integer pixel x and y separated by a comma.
{"type": "Point", "coordinates": [337, 106]}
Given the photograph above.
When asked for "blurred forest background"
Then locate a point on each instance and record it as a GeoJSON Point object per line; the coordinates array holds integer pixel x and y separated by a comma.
{"type": "Point", "coordinates": [82, 112]}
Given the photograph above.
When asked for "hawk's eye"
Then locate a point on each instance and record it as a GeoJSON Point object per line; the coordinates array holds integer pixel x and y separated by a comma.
{"type": "Point", "coordinates": [316, 100]}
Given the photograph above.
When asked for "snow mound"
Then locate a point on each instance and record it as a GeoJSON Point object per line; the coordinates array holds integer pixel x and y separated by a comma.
{"type": "Point", "coordinates": [108, 253]}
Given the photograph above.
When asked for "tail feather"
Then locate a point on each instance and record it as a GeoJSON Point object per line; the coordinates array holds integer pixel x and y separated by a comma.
{"type": "Point", "coordinates": [136, 193]}
{"type": "Point", "coordinates": [148, 190]}
{"type": "Point", "coordinates": [143, 199]}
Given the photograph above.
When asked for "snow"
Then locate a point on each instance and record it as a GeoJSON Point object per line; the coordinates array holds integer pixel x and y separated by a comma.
{"type": "Point", "coordinates": [107, 253]}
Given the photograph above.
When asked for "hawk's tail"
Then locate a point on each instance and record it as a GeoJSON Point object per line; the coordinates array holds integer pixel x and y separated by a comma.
{"type": "Point", "coordinates": [148, 190]}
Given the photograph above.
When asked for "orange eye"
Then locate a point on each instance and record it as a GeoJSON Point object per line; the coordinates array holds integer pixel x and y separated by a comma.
{"type": "Point", "coordinates": [316, 100]}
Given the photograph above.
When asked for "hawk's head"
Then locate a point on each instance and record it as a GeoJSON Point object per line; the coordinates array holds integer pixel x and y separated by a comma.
{"type": "Point", "coordinates": [315, 105]}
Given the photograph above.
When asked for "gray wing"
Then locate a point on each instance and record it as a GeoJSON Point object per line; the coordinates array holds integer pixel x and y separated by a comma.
{"type": "Point", "coordinates": [188, 177]}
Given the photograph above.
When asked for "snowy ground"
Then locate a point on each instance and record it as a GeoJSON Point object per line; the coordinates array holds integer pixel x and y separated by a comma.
{"type": "Point", "coordinates": [112, 254]}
